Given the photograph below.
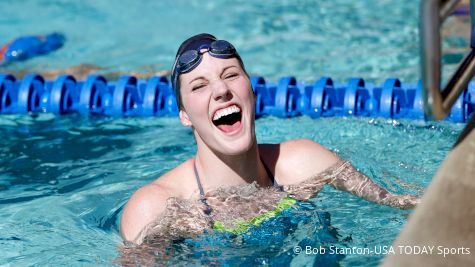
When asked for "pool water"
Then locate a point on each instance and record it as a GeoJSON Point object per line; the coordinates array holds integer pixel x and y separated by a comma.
{"type": "Point", "coordinates": [373, 39]}
{"type": "Point", "coordinates": [64, 180]}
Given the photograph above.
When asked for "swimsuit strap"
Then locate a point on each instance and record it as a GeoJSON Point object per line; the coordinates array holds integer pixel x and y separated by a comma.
{"type": "Point", "coordinates": [269, 173]}
{"type": "Point", "coordinates": [202, 192]}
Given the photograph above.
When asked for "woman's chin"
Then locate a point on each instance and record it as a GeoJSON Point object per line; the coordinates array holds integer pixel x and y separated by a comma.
{"type": "Point", "coordinates": [237, 147]}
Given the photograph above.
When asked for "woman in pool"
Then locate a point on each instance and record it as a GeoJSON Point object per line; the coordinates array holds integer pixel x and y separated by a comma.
{"type": "Point", "coordinates": [216, 100]}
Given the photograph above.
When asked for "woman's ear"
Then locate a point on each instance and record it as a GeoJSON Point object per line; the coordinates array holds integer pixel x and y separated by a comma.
{"type": "Point", "coordinates": [185, 121]}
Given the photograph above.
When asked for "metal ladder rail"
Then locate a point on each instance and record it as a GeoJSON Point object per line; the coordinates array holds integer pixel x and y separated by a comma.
{"type": "Point", "coordinates": [437, 103]}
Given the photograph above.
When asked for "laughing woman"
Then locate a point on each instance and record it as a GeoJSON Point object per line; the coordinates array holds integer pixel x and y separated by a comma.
{"type": "Point", "coordinates": [233, 183]}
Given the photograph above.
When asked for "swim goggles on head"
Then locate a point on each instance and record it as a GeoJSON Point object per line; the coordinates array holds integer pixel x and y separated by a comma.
{"type": "Point", "coordinates": [190, 59]}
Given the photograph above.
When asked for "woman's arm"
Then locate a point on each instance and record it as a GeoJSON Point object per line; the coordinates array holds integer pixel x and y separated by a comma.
{"type": "Point", "coordinates": [308, 166]}
{"type": "Point", "coordinates": [347, 178]}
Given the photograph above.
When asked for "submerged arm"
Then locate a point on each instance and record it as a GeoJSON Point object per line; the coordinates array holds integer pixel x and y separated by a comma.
{"type": "Point", "coordinates": [347, 178]}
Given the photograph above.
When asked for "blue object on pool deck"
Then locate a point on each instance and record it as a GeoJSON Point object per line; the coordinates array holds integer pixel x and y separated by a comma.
{"type": "Point", "coordinates": [129, 96]}
{"type": "Point", "coordinates": [27, 47]}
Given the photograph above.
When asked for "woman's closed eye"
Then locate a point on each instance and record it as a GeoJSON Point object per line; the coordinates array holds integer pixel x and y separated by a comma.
{"type": "Point", "coordinates": [198, 86]}
{"type": "Point", "coordinates": [231, 76]}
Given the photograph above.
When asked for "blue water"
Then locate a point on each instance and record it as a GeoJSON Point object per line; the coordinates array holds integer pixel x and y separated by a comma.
{"type": "Point", "coordinates": [64, 180]}
{"type": "Point", "coordinates": [373, 39]}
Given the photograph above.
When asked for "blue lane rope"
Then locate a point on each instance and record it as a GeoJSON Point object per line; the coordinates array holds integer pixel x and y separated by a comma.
{"type": "Point", "coordinates": [129, 96]}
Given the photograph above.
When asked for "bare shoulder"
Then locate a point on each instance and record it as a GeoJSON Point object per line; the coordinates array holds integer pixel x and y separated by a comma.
{"type": "Point", "coordinates": [148, 202]}
{"type": "Point", "coordinates": [142, 208]}
{"type": "Point", "coordinates": [297, 160]}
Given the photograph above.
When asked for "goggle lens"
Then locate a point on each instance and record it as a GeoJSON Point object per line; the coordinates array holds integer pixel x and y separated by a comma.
{"type": "Point", "coordinates": [222, 48]}
{"type": "Point", "coordinates": [188, 61]}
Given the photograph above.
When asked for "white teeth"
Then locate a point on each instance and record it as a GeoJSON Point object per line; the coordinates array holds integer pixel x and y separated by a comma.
{"type": "Point", "coordinates": [226, 111]}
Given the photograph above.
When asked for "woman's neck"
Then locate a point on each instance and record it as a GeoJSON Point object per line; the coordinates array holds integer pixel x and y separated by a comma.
{"type": "Point", "coordinates": [218, 170]}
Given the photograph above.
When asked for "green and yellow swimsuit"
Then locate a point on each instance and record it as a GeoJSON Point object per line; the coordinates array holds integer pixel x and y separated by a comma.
{"type": "Point", "coordinates": [244, 226]}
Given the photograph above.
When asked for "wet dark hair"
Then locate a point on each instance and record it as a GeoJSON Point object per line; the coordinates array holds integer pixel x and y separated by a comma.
{"type": "Point", "coordinates": [193, 43]}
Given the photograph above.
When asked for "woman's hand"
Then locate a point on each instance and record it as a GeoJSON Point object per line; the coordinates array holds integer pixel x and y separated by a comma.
{"type": "Point", "coordinates": [401, 201]}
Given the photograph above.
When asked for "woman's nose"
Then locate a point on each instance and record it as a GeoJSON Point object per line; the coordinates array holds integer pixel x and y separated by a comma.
{"type": "Point", "coordinates": [221, 91]}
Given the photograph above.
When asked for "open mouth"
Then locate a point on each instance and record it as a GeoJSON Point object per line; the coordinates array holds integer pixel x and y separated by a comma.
{"type": "Point", "coordinates": [229, 119]}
